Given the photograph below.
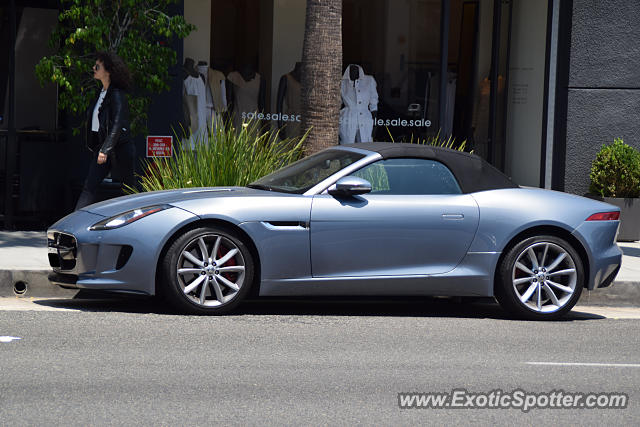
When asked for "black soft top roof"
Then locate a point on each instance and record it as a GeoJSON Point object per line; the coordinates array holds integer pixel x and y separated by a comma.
{"type": "Point", "coordinates": [472, 172]}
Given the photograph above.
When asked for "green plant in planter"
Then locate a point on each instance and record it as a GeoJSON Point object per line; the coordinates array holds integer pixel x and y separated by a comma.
{"type": "Point", "coordinates": [615, 172]}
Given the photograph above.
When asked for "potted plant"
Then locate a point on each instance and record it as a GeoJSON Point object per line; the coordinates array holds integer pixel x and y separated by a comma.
{"type": "Point", "coordinates": [615, 178]}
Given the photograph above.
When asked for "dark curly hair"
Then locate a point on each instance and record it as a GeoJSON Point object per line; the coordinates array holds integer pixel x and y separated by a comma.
{"type": "Point", "coordinates": [117, 69]}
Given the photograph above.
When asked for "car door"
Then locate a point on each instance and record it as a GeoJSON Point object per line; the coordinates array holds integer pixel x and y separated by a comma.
{"type": "Point", "coordinates": [415, 221]}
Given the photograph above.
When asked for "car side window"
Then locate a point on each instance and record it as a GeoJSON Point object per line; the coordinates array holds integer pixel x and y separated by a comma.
{"type": "Point", "coordinates": [409, 176]}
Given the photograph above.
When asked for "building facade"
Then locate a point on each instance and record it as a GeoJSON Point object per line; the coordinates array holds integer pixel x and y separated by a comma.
{"type": "Point", "coordinates": [535, 87]}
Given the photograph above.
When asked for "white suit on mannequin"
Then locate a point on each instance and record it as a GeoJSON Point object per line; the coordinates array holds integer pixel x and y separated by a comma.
{"type": "Point", "coordinates": [195, 86]}
{"type": "Point", "coordinates": [203, 70]}
{"type": "Point", "coordinates": [360, 98]}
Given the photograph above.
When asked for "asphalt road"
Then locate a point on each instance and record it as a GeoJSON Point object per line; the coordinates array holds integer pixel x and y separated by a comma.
{"type": "Point", "coordinates": [286, 363]}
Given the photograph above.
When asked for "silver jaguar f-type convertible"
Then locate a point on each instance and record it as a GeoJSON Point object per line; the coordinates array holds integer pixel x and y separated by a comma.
{"type": "Point", "coordinates": [367, 219]}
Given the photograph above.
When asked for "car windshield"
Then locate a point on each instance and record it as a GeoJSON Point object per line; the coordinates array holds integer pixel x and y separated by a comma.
{"type": "Point", "coordinates": [300, 176]}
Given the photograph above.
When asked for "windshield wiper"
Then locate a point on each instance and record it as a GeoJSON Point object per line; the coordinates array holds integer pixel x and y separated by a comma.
{"type": "Point", "coordinates": [260, 187]}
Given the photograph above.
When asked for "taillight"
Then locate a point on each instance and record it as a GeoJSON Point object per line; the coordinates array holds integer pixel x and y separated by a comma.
{"type": "Point", "coordinates": [605, 216]}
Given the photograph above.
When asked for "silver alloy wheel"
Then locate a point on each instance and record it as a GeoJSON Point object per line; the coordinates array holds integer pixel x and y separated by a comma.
{"type": "Point", "coordinates": [544, 277]}
{"type": "Point", "coordinates": [211, 270]}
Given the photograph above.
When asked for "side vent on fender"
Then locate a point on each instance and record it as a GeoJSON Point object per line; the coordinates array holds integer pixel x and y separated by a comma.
{"type": "Point", "coordinates": [286, 224]}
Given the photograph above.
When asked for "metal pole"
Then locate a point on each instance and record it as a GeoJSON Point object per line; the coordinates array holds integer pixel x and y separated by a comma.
{"type": "Point", "coordinates": [505, 92]}
{"type": "Point", "coordinates": [11, 140]}
{"type": "Point", "coordinates": [552, 58]}
{"type": "Point", "coordinates": [495, 58]}
{"type": "Point", "coordinates": [444, 61]}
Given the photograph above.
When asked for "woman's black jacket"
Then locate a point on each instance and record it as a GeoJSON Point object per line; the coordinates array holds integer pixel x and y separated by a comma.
{"type": "Point", "coordinates": [113, 117]}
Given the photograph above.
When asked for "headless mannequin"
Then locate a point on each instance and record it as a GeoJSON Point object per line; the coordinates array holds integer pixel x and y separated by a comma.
{"type": "Point", "coordinates": [189, 100]}
{"type": "Point", "coordinates": [189, 69]}
{"type": "Point", "coordinates": [225, 68]}
{"type": "Point", "coordinates": [202, 69]}
{"type": "Point", "coordinates": [248, 73]}
{"type": "Point", "coordinates": [296, 73]}
{"type": "Point", "coordinates": [355, 75]}
{"type": "Point", "coordinates": [218, 87]}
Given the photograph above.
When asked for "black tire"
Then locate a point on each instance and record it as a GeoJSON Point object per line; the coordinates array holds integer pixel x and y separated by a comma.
{"type": "Point", "coordinates": [527, 292]}
{"type": "Point", "coordinates": [184, 290]}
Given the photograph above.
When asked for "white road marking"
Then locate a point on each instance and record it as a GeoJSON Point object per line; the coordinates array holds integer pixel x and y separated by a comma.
{"type": "Point", "coordinates": [611, 365]}
{"type": "Point", "coordinates": [7, 338]}
{"type": "Point", "coordinates": [29, 304]}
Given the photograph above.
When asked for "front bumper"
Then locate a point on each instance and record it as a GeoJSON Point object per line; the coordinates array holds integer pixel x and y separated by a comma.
{"type": "Point", "coordinates": [67, 281]}
{"type": "Point", "coordinates": [122, 259]}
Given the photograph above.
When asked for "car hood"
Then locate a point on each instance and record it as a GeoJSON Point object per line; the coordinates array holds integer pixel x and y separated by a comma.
{"type": "Point", "coordinates": [171, 197]}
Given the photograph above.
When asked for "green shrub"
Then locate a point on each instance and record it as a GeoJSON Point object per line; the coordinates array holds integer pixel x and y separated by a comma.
{"type": "Point", "coordinates": [437, 141]}
{"type": "Point", "coordinates": [227, 158]}
{"type": "Point", "coordinates": [615, 172]}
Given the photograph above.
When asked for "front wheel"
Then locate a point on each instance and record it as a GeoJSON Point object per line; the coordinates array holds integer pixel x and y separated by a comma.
{"type": "Point", "coordinates": [540, 278]}
{"type": "Point", "coordinates": [207, 270]}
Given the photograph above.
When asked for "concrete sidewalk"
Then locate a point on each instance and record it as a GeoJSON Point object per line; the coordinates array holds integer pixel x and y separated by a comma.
{"type": "Point", "coordinates": [24, 266]}
{"type": "Point", "coordinates": [24, 263]}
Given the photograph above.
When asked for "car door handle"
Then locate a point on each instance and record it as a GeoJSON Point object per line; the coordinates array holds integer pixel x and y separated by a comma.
{"type": "Point", "coordinates": [452, 216]}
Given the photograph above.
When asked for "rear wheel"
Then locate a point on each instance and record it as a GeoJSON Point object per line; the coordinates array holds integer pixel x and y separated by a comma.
{"type": "Point", "coordinates": [540, 278]}
{"type": "Point", "coordinates": [208, 270]}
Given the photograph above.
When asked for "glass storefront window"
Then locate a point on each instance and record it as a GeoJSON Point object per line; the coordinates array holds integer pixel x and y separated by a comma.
{"type": "Point", "coordinates": [393, 73]}
{"type": "Point", "coordinates": [397, 44]}
{"type": "Point", "coordinates": [391, 64]}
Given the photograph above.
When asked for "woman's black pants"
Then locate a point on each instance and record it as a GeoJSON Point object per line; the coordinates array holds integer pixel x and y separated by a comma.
{"type": "Point", "coordinates": [121, 163]}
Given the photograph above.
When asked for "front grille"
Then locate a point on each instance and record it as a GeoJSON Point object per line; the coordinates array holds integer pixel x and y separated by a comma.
{"type": "Point", "coordinates": [63, 250]}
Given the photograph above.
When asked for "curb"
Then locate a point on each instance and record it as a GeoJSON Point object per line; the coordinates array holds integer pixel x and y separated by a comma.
{"type": "Point", "coordinates": [619, 294]}
{"type": "Point", "coordinates": [35, 283]}
{"type": "Point", "coordinates": [31, 283]}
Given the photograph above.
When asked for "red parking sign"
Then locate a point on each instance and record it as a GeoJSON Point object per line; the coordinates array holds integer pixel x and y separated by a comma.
{"type": "Point", "coordinates": [159, 146]}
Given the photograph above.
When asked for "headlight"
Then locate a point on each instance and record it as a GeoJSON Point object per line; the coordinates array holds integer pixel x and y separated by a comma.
{"type": "Point", "coordinates": [127, 217]}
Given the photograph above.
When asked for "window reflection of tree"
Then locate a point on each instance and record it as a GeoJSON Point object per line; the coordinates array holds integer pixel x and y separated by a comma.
{"type": "Point", "coordinates": [376, 175]}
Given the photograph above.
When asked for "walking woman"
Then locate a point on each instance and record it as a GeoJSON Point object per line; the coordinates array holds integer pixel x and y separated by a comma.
{"type": "Point", "coordinates": [108, 118]}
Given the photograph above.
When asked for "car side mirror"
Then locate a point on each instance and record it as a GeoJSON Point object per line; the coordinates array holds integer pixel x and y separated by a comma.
{"type": "Point", "coordinates": [350, 186]}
